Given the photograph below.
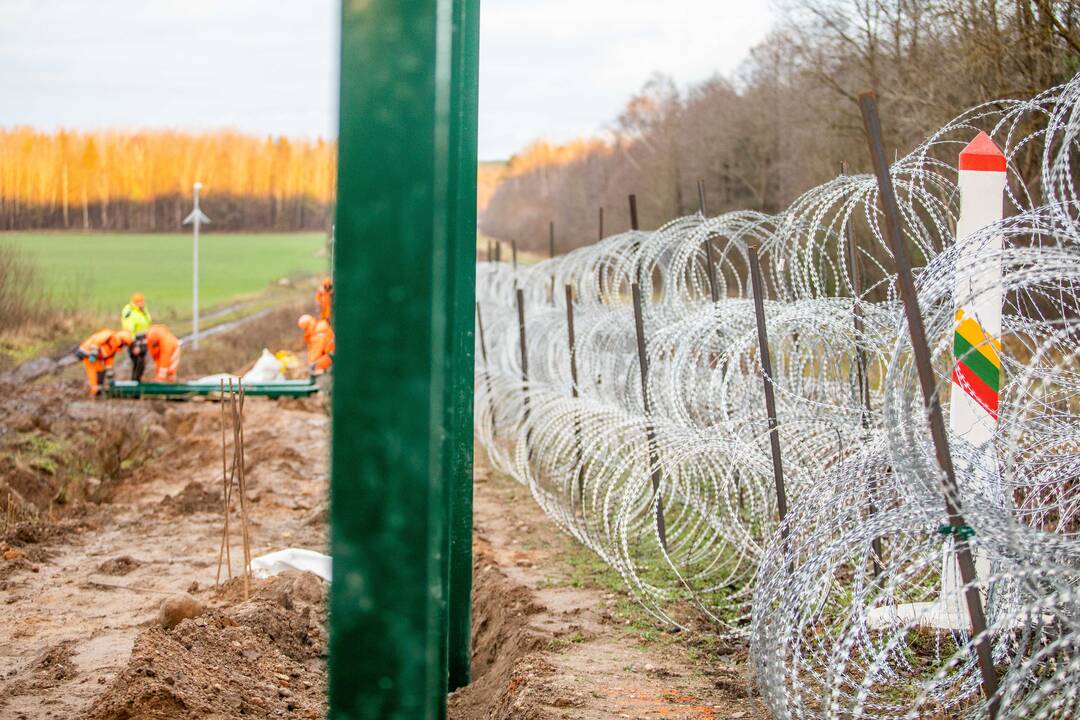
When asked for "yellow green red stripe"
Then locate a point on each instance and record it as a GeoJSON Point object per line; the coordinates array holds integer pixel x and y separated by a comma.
{"type": "Point", "coordinates": [970, 330]}
{"type": "Point", "coordinates": [978, 365]}
{"type": "Point", "coordinates": [976, 388]}
{"type": "Point", "coordinates": [977, 362]}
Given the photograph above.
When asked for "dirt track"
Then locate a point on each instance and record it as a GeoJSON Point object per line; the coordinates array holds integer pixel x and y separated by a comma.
{"type": "Point", "coordinates": [555, 635]}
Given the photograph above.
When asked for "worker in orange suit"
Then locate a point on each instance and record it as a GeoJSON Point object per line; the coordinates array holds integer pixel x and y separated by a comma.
{"type": "Point", "coordinates": [319, 337]}
{"type": "Point", "coordinates": [164, 349]}
{"type": "Point", "coordinates": [98, 353]}
{"type": "Point", "coordinates": [325, 296]}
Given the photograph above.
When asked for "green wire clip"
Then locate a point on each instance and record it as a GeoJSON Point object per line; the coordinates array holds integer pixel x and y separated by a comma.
{"type": "Point", "coordinates": [962, 532]}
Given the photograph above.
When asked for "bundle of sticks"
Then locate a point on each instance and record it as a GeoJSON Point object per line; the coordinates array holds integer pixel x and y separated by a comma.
{"type": "Point", "coordinates": [232, 476]}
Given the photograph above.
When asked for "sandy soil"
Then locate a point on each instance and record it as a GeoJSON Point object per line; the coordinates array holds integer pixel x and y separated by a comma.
{"type": "Point", "coordinates": [550, 642]}
{"type": "Point", "coordinates": [81, 586]}
{"type": "Point", "coordinates": [81, 594]}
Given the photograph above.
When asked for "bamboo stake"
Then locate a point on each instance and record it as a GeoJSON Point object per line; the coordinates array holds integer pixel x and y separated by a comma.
{"type": "Point", "coordinates": [243, 493]}
{"type": "Point", "coordinates": [223, 550]}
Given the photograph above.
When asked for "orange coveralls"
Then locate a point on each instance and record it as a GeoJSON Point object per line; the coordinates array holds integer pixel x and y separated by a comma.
{"type": "Point", "coordinates": [324, 296]}
{"type": "Point", "coordinates": [319, 337]}
{"type": "Point", "coordinates": [164, 349]}
{"type": "Point", "coordinates": [98, 353]}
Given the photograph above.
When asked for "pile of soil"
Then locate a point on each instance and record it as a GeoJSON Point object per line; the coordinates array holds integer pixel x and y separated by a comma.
{"type": "Point", "coordinates": [28, 544]}
{"type": "Point", "coordinates": [119, 566]}
{"type": "Point", "coordinates": [50, 668]}
{"type": "Point", "coordinates": [192, 499]}
{"type": "Point", "coordinates": [507, 665]}
{"type": "Point", "coordinates": [261, 658]}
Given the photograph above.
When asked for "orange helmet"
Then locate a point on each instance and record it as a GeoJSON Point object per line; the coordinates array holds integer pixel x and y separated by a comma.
{"type": "Point", "coordinates": [306, 322]}
{"type": "Point", "coordinates": [327, 283]}
{"type": "Point", "coordinates": [138, 299]}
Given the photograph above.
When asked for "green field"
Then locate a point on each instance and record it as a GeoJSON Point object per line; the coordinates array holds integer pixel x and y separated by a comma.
{"type": "Point", "coordinates": [100, 271]}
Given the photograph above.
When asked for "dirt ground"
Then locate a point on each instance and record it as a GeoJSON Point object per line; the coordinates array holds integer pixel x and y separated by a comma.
{"type": "Point", "coordinates": [555, 635]}
{"type": "Point", "coordinates": [82, 585]}
{"type": "Point", "coordinates": [112, 508]}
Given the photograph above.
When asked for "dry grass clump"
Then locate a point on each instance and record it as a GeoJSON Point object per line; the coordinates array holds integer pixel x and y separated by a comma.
{"type": "Point", "coordinates": [22, 299]}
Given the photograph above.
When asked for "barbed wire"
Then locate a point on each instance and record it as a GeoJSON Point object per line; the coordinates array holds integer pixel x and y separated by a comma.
{"type": "Point", "coordinates": [850, 601]}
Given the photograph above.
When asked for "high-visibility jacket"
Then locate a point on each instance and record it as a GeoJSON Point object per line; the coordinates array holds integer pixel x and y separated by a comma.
{"type": "Point", "coordinates": [320, 343]}
{"type": "Point", "coordinates": [164, 349]}
{"type": "Point", "coordinates": [135, 319]}
{"type": "Point", "coordinates": [324, 296]}
{"type": "Point", "coordinates": [103, 345]}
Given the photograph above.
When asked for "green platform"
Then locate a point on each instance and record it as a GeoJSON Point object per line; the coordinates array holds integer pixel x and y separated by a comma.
{"type": "Point", "coordinates": [288, 388]}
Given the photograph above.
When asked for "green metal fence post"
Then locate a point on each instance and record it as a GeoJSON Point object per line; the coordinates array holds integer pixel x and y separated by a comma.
{"type": "Point", "coordinates": [460, 304]}
{"type": "Point", "coordinates": [388, 512]}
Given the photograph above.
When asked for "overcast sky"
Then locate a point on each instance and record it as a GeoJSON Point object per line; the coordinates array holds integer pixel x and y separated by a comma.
{"type": "Point", "coordinates": [549, 68]}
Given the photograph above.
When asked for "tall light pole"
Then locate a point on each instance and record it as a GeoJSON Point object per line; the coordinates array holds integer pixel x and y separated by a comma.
{"type": "Point", "coordinates": [195, 219]}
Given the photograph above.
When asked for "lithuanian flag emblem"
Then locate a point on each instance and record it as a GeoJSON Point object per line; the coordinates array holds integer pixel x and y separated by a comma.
{"type": "Point", "coordinates": [978, 363]}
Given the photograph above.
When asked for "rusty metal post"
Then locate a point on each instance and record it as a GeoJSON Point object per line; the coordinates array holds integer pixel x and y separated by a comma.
{"type": "Point", "coordinates": [921, 351]}
{"type": "Point", "coordinates": [487, 375]}
{"type": "Point", "coordinates": [574, 393]}
{"type": "Point", "coordinates": [551, 256]}
{"type": "Point", "coordinates": [600, 235]}
{"type": "Point", "coordinates": [767, 381]}
{"type": "Point", "coordinates": [650, 433]}
{"type": "Point", "coordinates": [633, 212]}
{"type": "Point", "coordinates": [710, 260]}
{"type": "Point", "coordinates": [524, 348]}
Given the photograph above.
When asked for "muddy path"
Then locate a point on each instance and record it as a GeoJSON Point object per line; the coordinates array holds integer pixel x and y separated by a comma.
{"type": "Point", "coordinates": [81, 596]}
{"type": "Point", "coordinates": [555, 635]}
{"type": "Point", "coordinates": [83, 581]}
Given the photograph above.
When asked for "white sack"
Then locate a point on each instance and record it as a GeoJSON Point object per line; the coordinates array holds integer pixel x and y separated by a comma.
{"type": "Point", "coordinates": [310, 561]}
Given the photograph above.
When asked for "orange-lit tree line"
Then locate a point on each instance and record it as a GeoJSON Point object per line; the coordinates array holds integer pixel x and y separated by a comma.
{"type": "Point", "coordinates": [141, 180]}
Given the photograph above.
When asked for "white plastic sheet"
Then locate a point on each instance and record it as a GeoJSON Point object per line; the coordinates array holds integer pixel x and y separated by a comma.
{"type": "Point", "coordinates": [277, 562]}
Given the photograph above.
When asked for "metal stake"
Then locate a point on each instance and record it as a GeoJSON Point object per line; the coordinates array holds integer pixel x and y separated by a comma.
{"type": "Point", "coordinates": [524, 362]}
{"type": "Point", "coordinates": [767, 382]}
{"type": "Point", "coordinates": [487, 375]}
{"type": "Point", "coordinates": [921, 351]}
{"type": "Point", "coordinates": [574, 393]}
{"type": "Point", "coordinates": [633, 212]}
{"type": "Point", "coordinates": [650, 433]}
{"type": "Point", "coordinates": [701, 197]}
{"type": "Point", "coordinates": [551, 255]}
{"type": "Point", "coordinates": [601, 226]}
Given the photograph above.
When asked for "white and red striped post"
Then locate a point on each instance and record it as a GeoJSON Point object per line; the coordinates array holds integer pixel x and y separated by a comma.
{"type": "Point", "coordinates": [976, 372]}
{"type": "Point", "coordinates": [973, 408]}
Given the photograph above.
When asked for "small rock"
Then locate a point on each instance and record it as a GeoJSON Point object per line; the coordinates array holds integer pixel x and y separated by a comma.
{"type": "Point", "coordinates": [193, 587]}
{"type": "Point", "coordinates": [21, 422]}
{"type": "Point", "coordinates": [178, 608]}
